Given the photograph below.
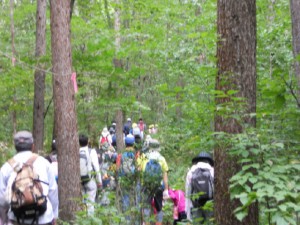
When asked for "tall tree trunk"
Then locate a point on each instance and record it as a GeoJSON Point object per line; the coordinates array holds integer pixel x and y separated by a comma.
{"type": "Point", "coordinates": [39, 76]}
{"type": "Point", "coordinates": [107, 14]}
{"type": "Point", "coordinates": [12, 31]}
{"type": "Point", "coordinates": [236, 62]}
{"type": "Point", "coordinates": [64, 110]}
{"type": "Point", "coordinates": [295, 9]}
{"type": "Point", "coordinates": [118, 64]}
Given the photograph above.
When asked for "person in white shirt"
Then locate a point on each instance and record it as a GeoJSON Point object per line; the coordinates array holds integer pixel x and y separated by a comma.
{"type": "Point", "coordinates": [90, 188]}
{"type": "Point", "coordinates": [23, 141]}
{"type": "Point", "coordinates": [204, 161]}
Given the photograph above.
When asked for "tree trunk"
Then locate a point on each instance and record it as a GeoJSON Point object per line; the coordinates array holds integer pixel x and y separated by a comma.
{"type": "Point", "coordinates": [118, 63]}
{"type": "Point", "coordinates": [64, 111]}
{"type": "Point", "coordinates": [236, 62]}
{"type": "Point", "coordinates": [119, 130]}
{"type": "Point", "coordinates": [39, 76]}
{"type": "Point", "coordinates": [295, 9]}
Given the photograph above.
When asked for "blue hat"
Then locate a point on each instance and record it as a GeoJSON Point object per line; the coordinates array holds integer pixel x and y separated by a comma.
{"type": "Point", "coordinates": [129, 140]}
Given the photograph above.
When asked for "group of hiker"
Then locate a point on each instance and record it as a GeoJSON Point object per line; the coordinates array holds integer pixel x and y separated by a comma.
{"type": "Point", "coordinates": [138, 175]}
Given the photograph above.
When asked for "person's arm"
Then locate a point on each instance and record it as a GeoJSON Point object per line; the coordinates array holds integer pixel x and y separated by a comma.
{"type": "Point", "coordinates": [188, 196]}
{"type": "Point", "coordinates": [96, 167]}
{"type": "Point", "coordinates": [165, 170]}
{"type": "Point", "coordinates": [53, 191]}
{"type": "Point", "coordinates": [2, 191]}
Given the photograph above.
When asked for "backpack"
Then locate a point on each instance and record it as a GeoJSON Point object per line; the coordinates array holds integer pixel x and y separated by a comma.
{"type": "Point", "coordinates": [85, 166]}
{"type": "Point", "coordinates": [201, 187]}
{"type": "Point", "coordinates": [126, 163]}
{"type": "Point", "coordinates": [136, 131]}
{"type": "Point", "coordinates": [103, 140]}
{"type": "Point", "coordinates": [152, 175]}
{"type": "Point", "coordinates": [26, 197]}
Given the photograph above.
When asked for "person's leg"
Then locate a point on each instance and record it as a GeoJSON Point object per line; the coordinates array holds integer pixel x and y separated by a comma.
{"type": "Point", "coordinates": [159, 217]}
{"type": "Point", "coordinates": [91, 191]}
{"type": "Point", "coordinates": [197, 215]}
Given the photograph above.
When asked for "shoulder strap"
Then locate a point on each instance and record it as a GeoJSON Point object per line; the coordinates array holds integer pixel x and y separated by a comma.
{"type": "Point", "coordinates": [31, 160]}
{"type": "Point", "coordinates": [11, 162]}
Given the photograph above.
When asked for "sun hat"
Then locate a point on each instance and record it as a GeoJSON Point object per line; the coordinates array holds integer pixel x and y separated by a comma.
{"type": "Point", "coordinates": [105, 132]}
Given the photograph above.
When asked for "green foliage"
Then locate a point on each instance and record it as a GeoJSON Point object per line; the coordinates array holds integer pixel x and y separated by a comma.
{"type": "Point", "coordinates": [168, 78]}
{"type": "Point", "coordinates": [267, 177]}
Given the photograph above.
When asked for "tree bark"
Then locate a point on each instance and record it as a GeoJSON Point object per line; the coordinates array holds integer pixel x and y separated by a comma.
{"type": "Point", "coordinates": [295, 16]}
{"type": "Point", "coordinates": [39, 76]}
{"type": "Point", "coordinates": [64, 111]}
{"type": "Point", "coordinates": [236, 63]}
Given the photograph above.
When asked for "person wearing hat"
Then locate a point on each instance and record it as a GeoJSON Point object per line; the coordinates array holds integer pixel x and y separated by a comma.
{"type": "Point", "coordinates": [23, 142]}
{"type": "Point", "coordinates": [204, 161]}
{"type": "Point", "coordinates": [105, 137]}
{"type": "Point", "coordinates": [151, 151]}
{"type": "Point", "coordinates": [127, 127]}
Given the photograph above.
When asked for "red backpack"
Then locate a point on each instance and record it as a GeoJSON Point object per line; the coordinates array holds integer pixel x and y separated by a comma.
{"type": "Point", "coordinates": [103, 140]}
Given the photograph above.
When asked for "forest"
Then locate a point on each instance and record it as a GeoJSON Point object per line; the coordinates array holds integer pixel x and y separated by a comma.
{"type": "Point", "coordinates": [218, 76]}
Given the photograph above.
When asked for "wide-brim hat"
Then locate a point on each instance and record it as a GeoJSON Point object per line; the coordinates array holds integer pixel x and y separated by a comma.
{"type": "Point", "coordinates": [154, 145]}
{"type": "Point", "coordinates": [205, 156]}
{"type": "Point", "coordinates": [105, 132]}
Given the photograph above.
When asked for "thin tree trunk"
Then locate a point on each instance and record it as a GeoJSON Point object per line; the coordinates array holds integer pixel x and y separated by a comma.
{"type": "Point", "coordinates": [118, 64]}
{"type": "Point", "coordinates": [12, 30]}
{"type": "Point", "coordinates": [64, 111]}
{"type": "Point", "coordinates": [107, 14]}
{"type": "Point", "coordinates": [39, 76]}
{"type": "Point", "coordinates": [295, 9]}
{"type": "Point", "coordinates": [236, 62]}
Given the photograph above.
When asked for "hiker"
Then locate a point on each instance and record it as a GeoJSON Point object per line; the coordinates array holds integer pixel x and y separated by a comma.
{"type": "Point", "coordinates": [126, 171]}
{"type": "Point", "coordinates": [178, 198]}
{"type": "Point", "coordinates": [90, 173]}
{"type": "Point", "coordinates": [127, 127]}
{"type": "Point", "coordinates": [142, 127]}
{"type": "Point", "coordinates": [105, 137]}
{"type": "Point", "coordinates": [136, 132]}
{"type": "Point", "coordinates": [108, 170]}
{"type": "Point", "coordinates": [154, 185]}
{"type": "Point", "coordinates": [52, 158]}
{"type": "Point", "coordinates": [46, 209]}
{"type": "Point", "coordinates": [112, 128]}
{"type": "Point", "coordinates": [199, 188]}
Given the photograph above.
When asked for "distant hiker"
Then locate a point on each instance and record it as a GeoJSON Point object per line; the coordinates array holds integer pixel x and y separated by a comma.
{"type": "Point", "coordinates": [136, 132]}
{"type": "Point", "coordinates": [154, 172]}
{"type": "Point", "coordinates": [142, 127]}
{"type": "Point", "coordinates": [37, 203]}
{"type": "Point", "coordinates": [108, 170]}
{"type": "Point", "coordinates": [153, 129]}
{"type": "Point", "coordinates": [127, 127]}
{"type": "Point", "coordinates": [52, 158]}
{"type": "Point", "coordinates": [126, 170]}
{"type": "Point", "coordinates": [105, 137]}
{"type": "Point", "coordinates": [112, 128]}
{"type": "Point", "coordinates": [89, 172]}
{"type": "Point", "coordinates": [178, 198]}
{"type": "Point", "coordinates": [199, 188]}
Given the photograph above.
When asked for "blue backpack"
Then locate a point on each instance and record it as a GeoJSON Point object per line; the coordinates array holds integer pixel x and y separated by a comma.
{"type": "Point", "coordinates": [152, 175]}
{"type": "Point", "coordinates": [127, 164]}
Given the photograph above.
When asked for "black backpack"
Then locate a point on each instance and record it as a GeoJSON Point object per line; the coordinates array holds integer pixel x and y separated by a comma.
{"type": "Point", "coordinates": [202, 187]}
